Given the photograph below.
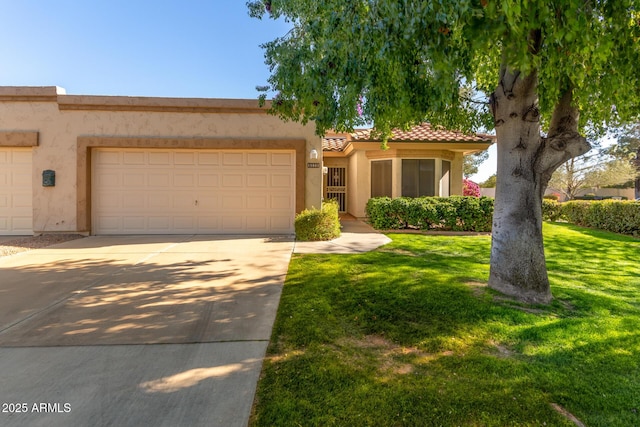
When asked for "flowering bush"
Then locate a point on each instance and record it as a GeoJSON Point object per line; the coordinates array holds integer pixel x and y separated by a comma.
{"type": "Point", "coordinates": [470, 188]}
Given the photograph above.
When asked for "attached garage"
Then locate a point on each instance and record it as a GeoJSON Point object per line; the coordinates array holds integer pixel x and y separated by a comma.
{"type": "Point", "coordinates": [192, 191]}
{"type": "Point", "coordinates": [16, 210]}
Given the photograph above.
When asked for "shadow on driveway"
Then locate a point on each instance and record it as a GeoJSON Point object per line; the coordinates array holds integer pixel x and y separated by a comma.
{"type": "Point", "coordinates": [77, 321]}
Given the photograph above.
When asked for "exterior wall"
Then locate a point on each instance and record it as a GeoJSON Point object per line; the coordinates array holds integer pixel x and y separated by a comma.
{"type": "Point", "coordinates": [360, 193]}
{"type": "Point", "coordinates": [488, 192]}
{"type": "Point", "coordinates": [359, 190]}
{"type": "Point", "coordinates": [68, 127]}
{"type": "Point", "coordinates": [456, 174]}
{"type": "Point", "coordinates": [601, 192]}
{"type": "Point", "coordinates": [629, 193]}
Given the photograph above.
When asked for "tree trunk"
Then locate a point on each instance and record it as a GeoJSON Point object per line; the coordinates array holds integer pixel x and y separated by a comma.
{"type": "Point", "coordinates": [526, 161]}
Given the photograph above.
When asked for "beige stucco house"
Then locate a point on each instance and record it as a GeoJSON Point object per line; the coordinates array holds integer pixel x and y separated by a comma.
{"type": "Point", "coordinates": [140, 165]}
{"type": "Point", "coordinates": [423, 161]}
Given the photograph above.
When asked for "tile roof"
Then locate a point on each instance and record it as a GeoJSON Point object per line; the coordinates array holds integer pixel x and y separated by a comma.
{"type": "Point", "coordinates": [423, 133]}
{"type": "Point", "coordinates": [334, 143]}
{"type": "Point", "coordinates": [420, 133]}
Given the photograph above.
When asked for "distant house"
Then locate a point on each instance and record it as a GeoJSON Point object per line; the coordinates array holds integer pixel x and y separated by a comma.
{"type": "Point", "coordinates": [420, 162]}
{"type": "Point", "coordinates": [145, 165]}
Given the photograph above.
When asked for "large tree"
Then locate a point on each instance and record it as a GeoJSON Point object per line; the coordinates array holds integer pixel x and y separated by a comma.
{"type": "Point", "coordinates": [537, 71]}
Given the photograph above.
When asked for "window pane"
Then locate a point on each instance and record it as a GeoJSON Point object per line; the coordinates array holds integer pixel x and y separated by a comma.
{"type": "Point", "coordinates": [418, 177]}
{"type": "Point", "coordinates": [410, 178]}
{"type": "Point", "coordinates": [427, 185]}
{"type": "Point", "coordinates": [381, 178]}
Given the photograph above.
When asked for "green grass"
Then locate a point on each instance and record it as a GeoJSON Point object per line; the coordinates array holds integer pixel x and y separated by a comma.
{"type": "Point", "coordinates": [408, 336]}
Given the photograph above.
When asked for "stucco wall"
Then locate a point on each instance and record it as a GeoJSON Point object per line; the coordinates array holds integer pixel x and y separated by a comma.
{"type": "Point", "coordinates": [600, 192]}
{"type": "Point", "coordinates": [359, 171]}
{"type": "Point", "coordinates": [60, 120]}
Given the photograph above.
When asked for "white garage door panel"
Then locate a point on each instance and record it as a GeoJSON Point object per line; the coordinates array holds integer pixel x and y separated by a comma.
{"type": "Point", "coordinates": [16, 193]}
{"type": "Point", "coordinates": [139, 191]}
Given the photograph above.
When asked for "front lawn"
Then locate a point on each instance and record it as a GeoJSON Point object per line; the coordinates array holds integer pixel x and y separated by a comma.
{"type": "Point", "coordinates": [409, 335]}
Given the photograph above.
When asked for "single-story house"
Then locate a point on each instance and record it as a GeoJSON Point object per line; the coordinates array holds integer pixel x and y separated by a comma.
{"type": "Point", "coordinates": [146, 165]}
{"type": "Point", "coordinates": [423, 161]}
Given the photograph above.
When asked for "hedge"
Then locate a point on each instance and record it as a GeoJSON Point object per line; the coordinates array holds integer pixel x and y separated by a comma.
{"type": "Point", "coordinates": [611, 215]}
{"type": "Point", "coordinates": [458, 213]}
{"type": "Point", "coordinates": [455, 213]}
{"type": "Point", "coordinates": [551, 210]}
{"type": "Point", "coordinates": [318, 224]}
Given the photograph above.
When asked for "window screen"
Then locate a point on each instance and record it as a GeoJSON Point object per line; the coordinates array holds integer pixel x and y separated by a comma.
{"type": "Point", "coordinates": [381, 178]}
{"type": "Point", "coordinates": [418, 177]}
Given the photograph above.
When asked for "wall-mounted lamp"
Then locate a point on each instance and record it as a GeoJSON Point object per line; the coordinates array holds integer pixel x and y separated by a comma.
{"type": "Point", "coordinates": [313, 156]}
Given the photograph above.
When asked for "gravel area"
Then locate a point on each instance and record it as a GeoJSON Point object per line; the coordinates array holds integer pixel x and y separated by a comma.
{"type": "Point", "coordinates": [23, 244]}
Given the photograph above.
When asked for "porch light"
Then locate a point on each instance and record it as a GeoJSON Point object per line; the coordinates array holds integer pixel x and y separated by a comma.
{"type": "Point", "coordinates": [313, 154]}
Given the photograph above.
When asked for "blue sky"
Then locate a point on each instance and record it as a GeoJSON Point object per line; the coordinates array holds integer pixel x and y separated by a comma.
{"type": "Point", "coordinates": [182, 48]}
{"type": "Point", "coordinates": [188, 48]}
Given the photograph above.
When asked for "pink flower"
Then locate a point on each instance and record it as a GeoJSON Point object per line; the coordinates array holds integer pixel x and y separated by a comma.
{"type": "Point", "coordinates": [470, 188]}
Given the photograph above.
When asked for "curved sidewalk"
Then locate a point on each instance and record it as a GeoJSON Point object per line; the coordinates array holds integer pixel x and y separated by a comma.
{"type": "Point", "coordinates": [357, 237]}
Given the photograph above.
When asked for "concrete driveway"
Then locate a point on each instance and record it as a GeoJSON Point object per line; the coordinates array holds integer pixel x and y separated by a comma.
{"type": "Point", "coordinates": [137, 330]}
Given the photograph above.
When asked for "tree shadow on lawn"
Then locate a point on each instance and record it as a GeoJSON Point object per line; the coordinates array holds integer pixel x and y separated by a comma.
{"type": "Point", "coordinates": [411, 300]}
{"type": "Point", "coordinates": [418, 300]}
{"type": "Point", "coordinates": [589, 245]}
{"type": "Point", "coordinates": [596, 270]}
{"type": "Point", "coordinates": [590, 366]}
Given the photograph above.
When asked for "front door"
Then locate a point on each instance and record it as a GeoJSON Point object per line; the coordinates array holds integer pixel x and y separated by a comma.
{"type": "Point", "coordinates": [336, 186]}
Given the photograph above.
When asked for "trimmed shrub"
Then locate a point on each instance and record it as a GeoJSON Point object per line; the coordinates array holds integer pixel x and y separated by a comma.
{"type": "Point", "coordinates": [456, 213]}
{"type": "Point", "coordinates": [575, 212]}
{"type": "Point", "coordinates": [611, 215]}
{"type": "Point", "coordinates": [381, 215]}
{"type": "Point", "coordinates": [551, 210]}
{"type": "Point", "coordinates": [318, 224]}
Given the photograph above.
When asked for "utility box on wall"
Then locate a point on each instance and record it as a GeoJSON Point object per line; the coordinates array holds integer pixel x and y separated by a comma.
{"type": "Point", "coordinates": [48, 178]}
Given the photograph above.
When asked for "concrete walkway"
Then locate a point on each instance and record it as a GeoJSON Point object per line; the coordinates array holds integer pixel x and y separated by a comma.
{"type": "Point", "coordinates": [357, 237]}
{"type": "Point", "coordinates": [137, 330]}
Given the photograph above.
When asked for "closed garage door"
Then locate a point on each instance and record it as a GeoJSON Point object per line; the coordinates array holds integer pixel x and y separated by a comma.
{"type": "Point", "coordinates": [16, 211]}
{"type": "Point", "coordinates": [138, 191]}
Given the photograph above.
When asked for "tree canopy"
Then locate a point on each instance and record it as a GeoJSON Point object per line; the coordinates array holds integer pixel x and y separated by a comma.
{"type": "Point", "coordinates": [471, 163]}
{"type": "Point", "coordinates": [489, 182]}
{"type": "Point", "coordinates": [400, 63]}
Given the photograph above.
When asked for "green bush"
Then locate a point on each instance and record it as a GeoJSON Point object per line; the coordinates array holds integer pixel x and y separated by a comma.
{"type": "Point", "coordinates": [575, 211]}
{"type": "Point", "coordinates": [457, 213]}
{"type": "Point", "coordinates": [318, 224]}
{"type": "Point", "coordinates": [612, 215]}
{"type": "Point", "coordinates": [381, 215]}
{"type": "Point", "coordinates": [551, 210]}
